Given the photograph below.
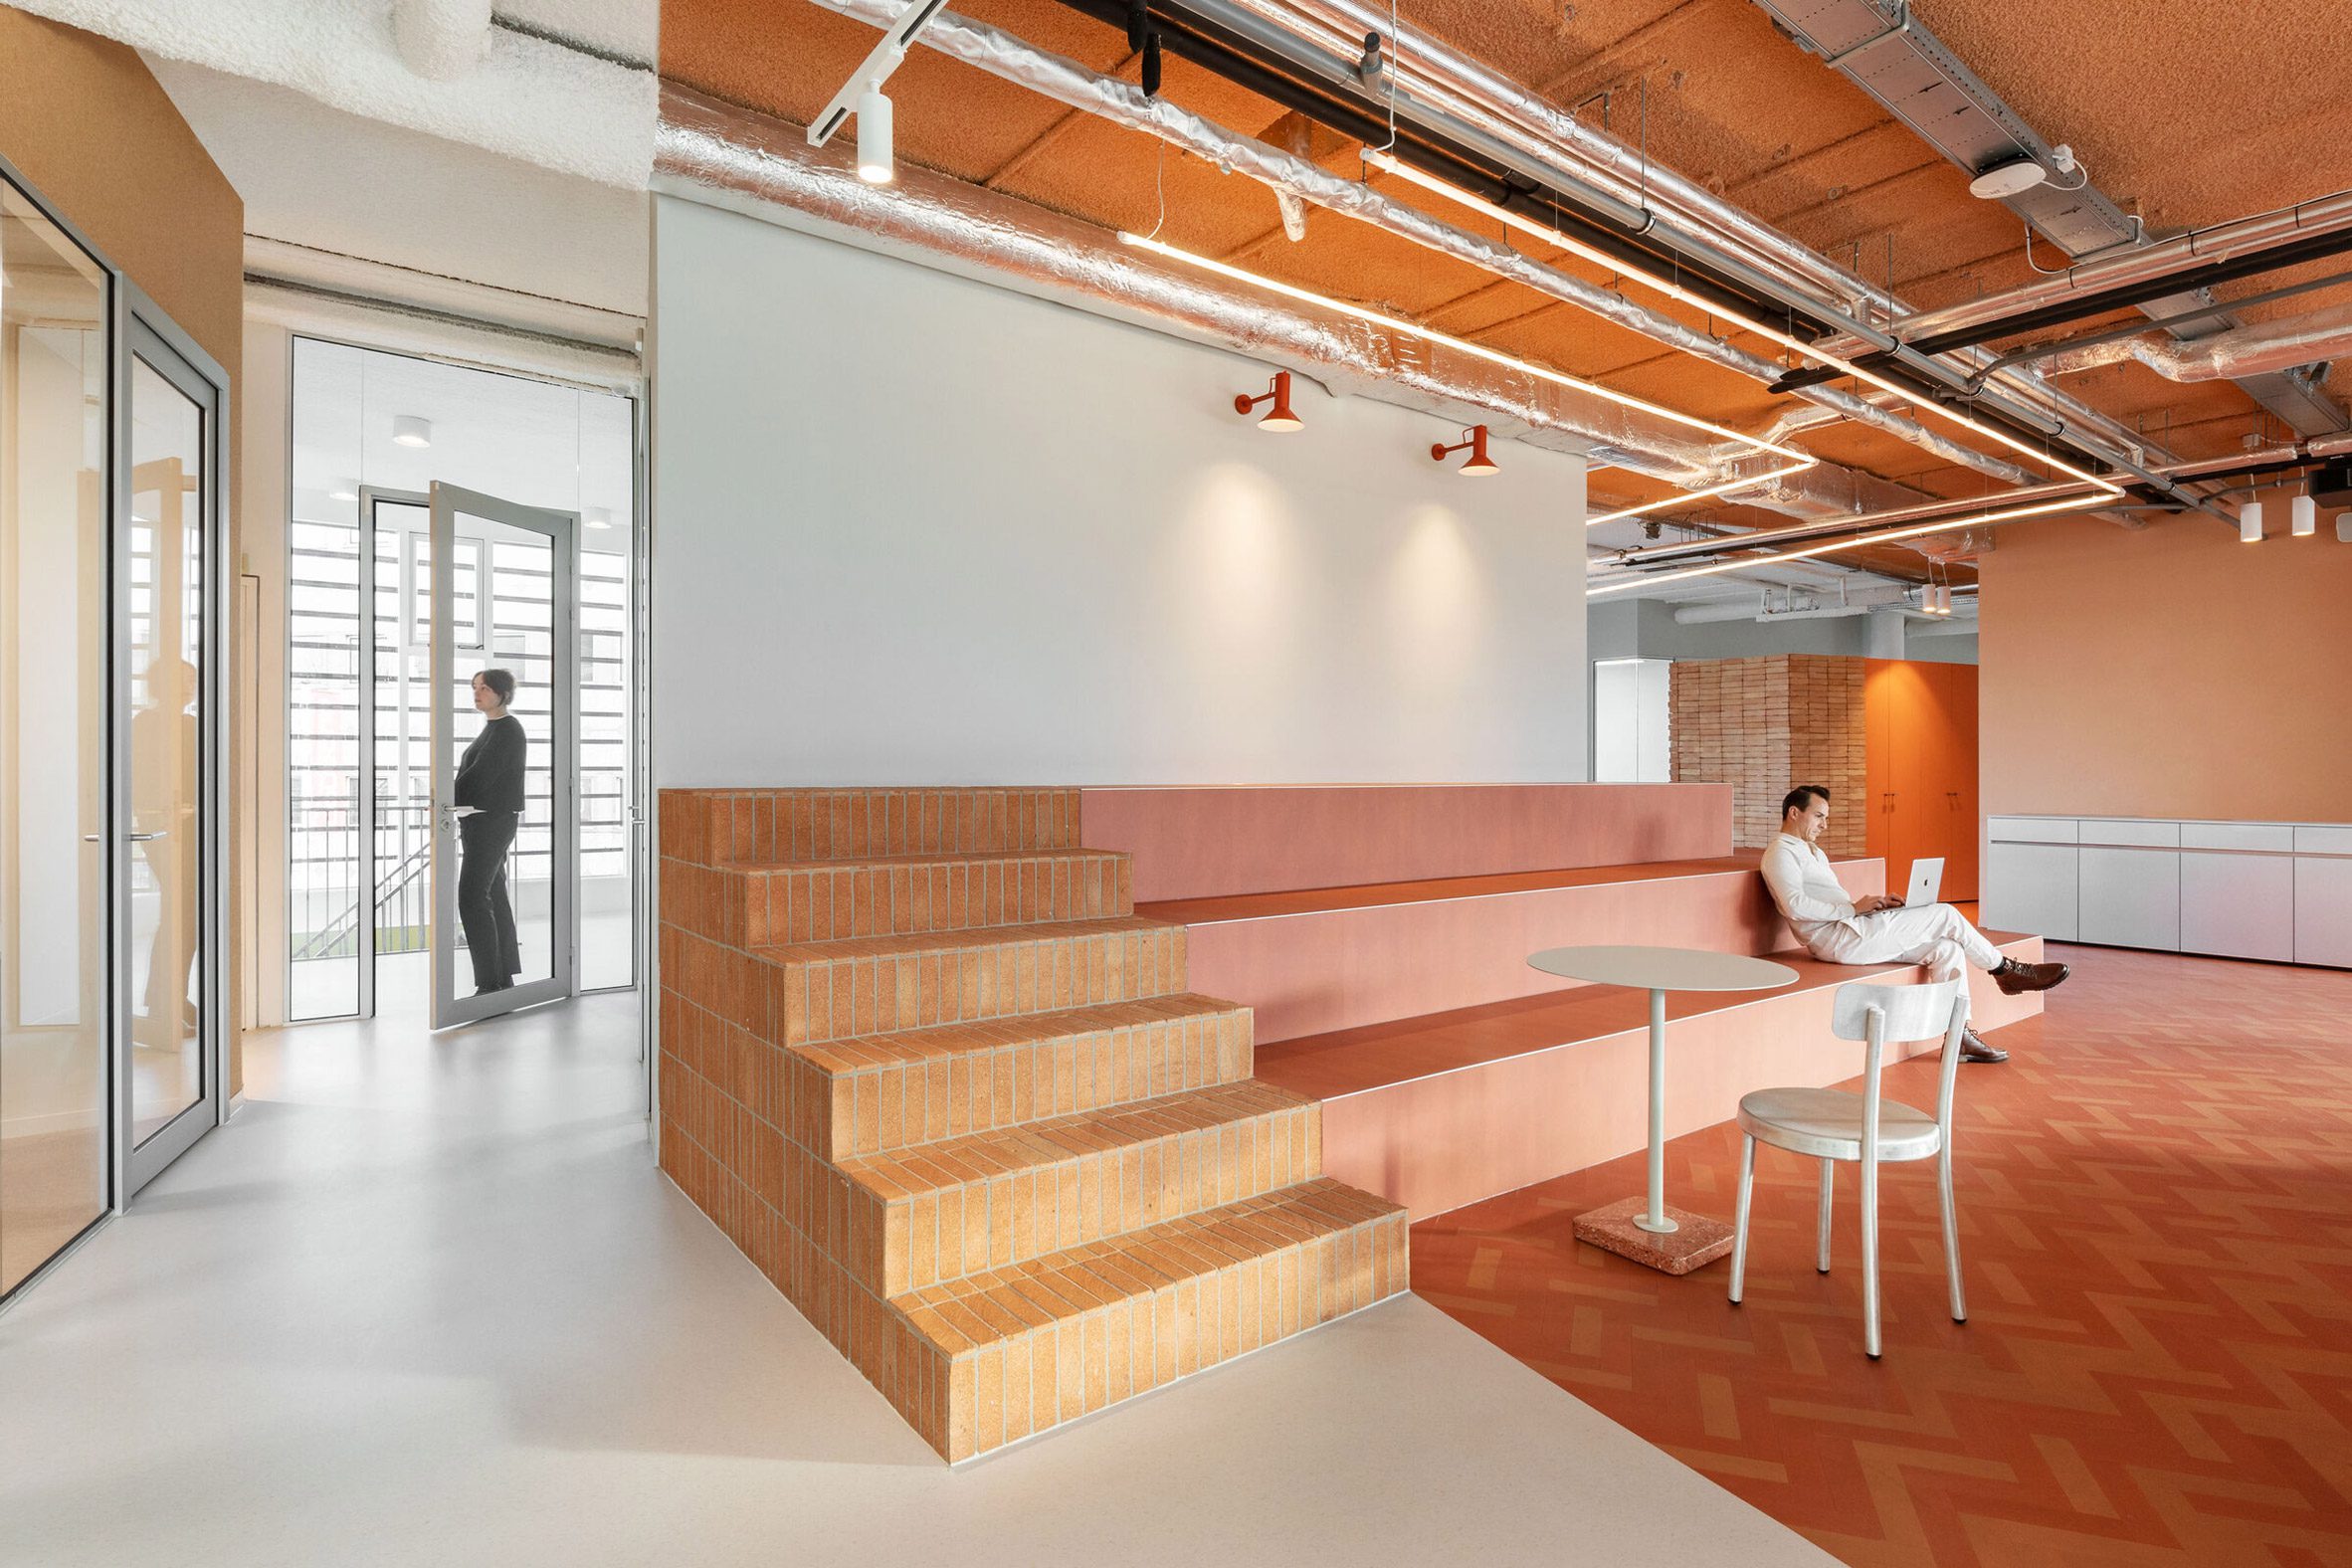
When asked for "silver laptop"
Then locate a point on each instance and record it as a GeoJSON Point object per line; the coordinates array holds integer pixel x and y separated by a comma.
{"type": "Point", "coordinates": [1927, 882]}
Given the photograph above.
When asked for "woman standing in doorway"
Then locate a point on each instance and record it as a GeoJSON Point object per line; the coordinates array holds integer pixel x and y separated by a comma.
{"type": "Point", "coordinates": [489, 798]}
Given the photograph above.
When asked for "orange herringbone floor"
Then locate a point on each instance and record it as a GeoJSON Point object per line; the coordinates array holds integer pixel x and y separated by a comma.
{"type": "Point", "coordinates": [2155, 1202]}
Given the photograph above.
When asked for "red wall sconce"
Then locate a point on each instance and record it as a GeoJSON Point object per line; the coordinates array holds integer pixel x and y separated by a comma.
{"type": "Point", "coordinates": [1473, 440]}
{"type": "Point", "coordinates": [1279, 419]}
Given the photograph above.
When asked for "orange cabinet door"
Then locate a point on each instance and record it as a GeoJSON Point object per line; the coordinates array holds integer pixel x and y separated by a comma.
{"type": "Point", "coordinates": [1961, 870]}
{"type": "Point", "coordinates": [1879, 681]}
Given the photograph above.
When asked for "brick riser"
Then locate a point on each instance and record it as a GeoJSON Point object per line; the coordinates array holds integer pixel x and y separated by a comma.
{"type": "Point", "coordinates": [924, 1066]}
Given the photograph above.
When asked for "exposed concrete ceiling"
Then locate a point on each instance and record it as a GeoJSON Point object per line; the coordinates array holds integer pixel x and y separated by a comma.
{"type": "Point", "coordinates": [316, 176]}
{"type": "Point", "coordinates": [1730, 102]}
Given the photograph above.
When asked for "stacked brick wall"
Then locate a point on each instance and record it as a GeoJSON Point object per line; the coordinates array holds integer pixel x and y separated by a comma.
{"type": "Point", "coordinates": [1763, 725]}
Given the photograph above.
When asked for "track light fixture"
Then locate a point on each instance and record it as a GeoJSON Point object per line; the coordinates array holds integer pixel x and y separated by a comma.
{"type": "Point", "coordinates": [1473, 440]}
{"type": "Point", "coordinates": [1279, 419]}
{"type": "Point", "coordinates": [2302, 515]}
{"type": "Point", "coordinates": [2250, 522]}
{"type": "Point", "coordinates": [876, 162]}
{"type": "Point", "coordinates": [862, 96]}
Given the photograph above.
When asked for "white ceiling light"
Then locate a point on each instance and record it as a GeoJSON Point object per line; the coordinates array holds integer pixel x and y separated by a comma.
{"type": "Point", "coordinates": [345, 490]}
{"type": "Point", "coordinates": [862, 96]}
{"type": "Point", "coordinates": [600, 516]}
{"type": "Point", "coordinates": [2303, 517]}
{"type": "Point", "coordinates": [2250, 522]}
{"type": "Point", "coordinates": [2004, 180]}
{"type": "Point", "coordinates": [411, 430]}
{"type": "Point", "coordinates": [877, 164]}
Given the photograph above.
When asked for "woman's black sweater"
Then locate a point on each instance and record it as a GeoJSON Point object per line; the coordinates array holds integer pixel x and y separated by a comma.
{"type": "Point", "coordinates": [490, 774]}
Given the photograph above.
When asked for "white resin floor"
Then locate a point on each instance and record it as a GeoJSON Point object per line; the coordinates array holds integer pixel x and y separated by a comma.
{"type": "Point", "coordinates": [427, 1300]}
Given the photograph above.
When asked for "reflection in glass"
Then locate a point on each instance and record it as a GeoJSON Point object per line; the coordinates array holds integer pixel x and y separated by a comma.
{"type": "Point", "coordinates": [53, 740]}
{"type": "Point", "coordinates": [167, 614]}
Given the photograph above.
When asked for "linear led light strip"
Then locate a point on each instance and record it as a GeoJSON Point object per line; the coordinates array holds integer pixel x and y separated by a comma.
{"type": "Point", "coordinates": [1799, 462]}
{"type": "Point", "coordinates": [1851, 542]}
{"type": "Point", "coordinates": [1389, 163]}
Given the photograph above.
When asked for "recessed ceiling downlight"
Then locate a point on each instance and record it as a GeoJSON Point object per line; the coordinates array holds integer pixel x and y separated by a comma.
{"type": "Point", "coordinates": [2005, 180]}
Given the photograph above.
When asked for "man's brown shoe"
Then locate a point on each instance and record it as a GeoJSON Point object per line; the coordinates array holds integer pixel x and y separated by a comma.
{"type": "Point", "coordinates": [1975, 1048]}
{"type": "Point", "coordinates": [2013, 977]}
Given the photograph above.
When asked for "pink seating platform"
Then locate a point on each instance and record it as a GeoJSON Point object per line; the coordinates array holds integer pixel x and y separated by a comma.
{"type": "Point", "coordinates": [1443, 1111]}
{"type": "Point", "coordinates": [1380, 934]}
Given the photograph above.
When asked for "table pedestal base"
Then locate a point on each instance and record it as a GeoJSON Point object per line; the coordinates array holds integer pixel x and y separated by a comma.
{"type": "Point", "coordinates": [1697, 1241]}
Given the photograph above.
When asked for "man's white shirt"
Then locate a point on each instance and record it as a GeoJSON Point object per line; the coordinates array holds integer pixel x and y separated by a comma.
{"type": "Point", "coordinates": [1805, 889]}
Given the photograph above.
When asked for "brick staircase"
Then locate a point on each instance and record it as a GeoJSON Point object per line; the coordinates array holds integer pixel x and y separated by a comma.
{"type": "Point", "coordinates": [922, 1061]}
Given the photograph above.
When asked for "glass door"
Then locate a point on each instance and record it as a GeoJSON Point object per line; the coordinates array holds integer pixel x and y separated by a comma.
{"type": "Point", "coordinates": [506, 754]}
{"type": "Point", "coordinates": [57, 841]}
{"type": "Point", "coordinates": [167, 677]}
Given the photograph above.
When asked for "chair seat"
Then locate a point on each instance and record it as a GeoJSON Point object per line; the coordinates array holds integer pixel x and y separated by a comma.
{"type": "Point", "coordinates": [1827, 1124]}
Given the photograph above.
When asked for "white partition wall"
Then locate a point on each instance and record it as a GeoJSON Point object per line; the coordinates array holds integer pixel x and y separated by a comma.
{"type": "Point", "coordinates": [913, 529]}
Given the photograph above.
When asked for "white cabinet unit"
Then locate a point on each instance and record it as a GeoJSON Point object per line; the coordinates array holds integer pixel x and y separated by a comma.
{"type": "Point", "coordinates": [2239, 906]}
{"type": "Point", "coordinates": [2275, 890]}
{"type": "Point", "coordinates": [2129, 897]}
{"type": "Point", "coordinates": [2323, 909]}
{"type": "Point", "coordinates": [2031, 887]}
{"type": "Point", "coordinates": [2032, 830]}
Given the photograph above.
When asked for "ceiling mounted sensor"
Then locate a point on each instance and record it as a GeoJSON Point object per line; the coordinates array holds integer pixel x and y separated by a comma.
{"type": "Point", "coordinates": [411, 430]}
{"type": "Point", "coordinates": [862, 96]}
{"type": "Point", "coordinates": [2004, 180]}
{"type": "Point", "coordinates": [1473, 440]}
{"type": "Point", "coordinates": [1279, 419]}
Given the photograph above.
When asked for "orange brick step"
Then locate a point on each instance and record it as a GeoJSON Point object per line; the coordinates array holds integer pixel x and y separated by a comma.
{"type": "Point", "coordinates": [722, 827]}
{"type": "Point", "coordinates": [874, 1094]}
{"type": "Point", "coordinates": [932, 1214]}
{"type": "Point", "coordinates": [1006, 1353]}
{"type": "Point", "coordinates": [871, 985]}
{"type": "Point", "coordinates": [884, 895]}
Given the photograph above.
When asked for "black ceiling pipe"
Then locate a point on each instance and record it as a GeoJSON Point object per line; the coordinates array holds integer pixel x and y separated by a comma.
{"type": "Point", "coordinates": [1364, 118]}
{"type": "Point", "coordinates": [2311, 248]}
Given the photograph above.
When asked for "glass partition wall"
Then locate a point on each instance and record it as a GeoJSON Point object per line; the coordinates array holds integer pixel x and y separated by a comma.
{"type": "Point", "coordinates": [111, 504]}
{"type": "Point", "coordinates": [372, 433]}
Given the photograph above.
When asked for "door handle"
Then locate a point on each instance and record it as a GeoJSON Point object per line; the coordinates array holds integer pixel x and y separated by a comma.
{"type": "Point", "coordinates": [133, 837]}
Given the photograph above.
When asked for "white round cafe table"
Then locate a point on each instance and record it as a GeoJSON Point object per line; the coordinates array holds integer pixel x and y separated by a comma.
{"type": "Point", "coordinates": [1659, 970]}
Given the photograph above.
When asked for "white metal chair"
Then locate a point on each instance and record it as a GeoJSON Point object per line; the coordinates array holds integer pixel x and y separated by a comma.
{"type": "Point", "coordinates": [1832, 1125]}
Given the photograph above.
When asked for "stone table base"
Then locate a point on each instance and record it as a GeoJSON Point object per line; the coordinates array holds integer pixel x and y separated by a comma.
{"type": "Point", "coordinates": [1700, 1242]}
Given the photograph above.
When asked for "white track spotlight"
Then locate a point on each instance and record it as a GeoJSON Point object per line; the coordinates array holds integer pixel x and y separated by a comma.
{"type": "Point", "coordinates": [2302, 515]}
{"type": "Point", "coordinates": [2250, 522]}
{"type": "Point", "coordinates": [876, 165]}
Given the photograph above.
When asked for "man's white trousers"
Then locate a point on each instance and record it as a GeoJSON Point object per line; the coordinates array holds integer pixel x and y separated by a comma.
{"type": "Point", "coordinates": [1934, 935]}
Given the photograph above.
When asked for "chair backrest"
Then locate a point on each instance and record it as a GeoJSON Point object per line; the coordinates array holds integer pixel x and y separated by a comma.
{"type": "Point", "coordinates": [1913, 1012]}
{"type": "Point", "coordinates": [1880, 1013]}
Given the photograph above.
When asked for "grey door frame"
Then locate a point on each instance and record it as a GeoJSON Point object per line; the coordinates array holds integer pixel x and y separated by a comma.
{"type": "Point", "coordinates": [144, 333]}
{"type": "Point", "coordinates": [563, 531]}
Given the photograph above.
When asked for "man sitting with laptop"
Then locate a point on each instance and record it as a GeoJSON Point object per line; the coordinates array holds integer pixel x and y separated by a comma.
{"type": "Point", "coordinates": [1877, 929]}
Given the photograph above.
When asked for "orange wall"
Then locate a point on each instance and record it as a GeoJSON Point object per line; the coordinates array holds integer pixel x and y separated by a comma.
{"type": "Point", "coordinates": [83, 119]}
{"type": "Point", "coordinates": [2168, 671]}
